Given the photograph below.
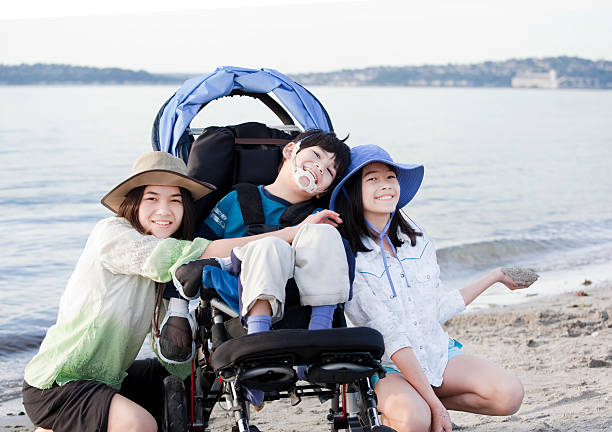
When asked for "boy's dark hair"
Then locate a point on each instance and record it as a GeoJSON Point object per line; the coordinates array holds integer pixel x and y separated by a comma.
{"type": "Point", "coordinates": [329, 142]}
{"type": "Point", "coordinates": [129, 210]}
{"type": "Point", "coordinates": [354, 227]}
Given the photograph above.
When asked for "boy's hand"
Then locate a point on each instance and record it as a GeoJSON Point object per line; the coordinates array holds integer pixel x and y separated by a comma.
{"type": "Point", "coordinates": [323, 217]}
{"type": "Point", "coordinates": [517, 277]}
{"type": "Point", "coordinates": [329, 217]}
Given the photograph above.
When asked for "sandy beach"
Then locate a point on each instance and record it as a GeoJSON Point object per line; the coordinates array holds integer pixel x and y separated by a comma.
{"type": "Point", "coordinates": [560, 347]}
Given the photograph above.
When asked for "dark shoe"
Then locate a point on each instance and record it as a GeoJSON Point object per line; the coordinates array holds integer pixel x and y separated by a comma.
{"type": "Point", "coordinates": [189, 276]}
{"type": "Point", "coordinates": [176, 339]}
{"type": "Point", "coordinates": [252, 428]}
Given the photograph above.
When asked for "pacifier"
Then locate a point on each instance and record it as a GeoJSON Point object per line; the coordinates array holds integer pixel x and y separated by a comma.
{"type": "Point", "coordinates": [304, 179]}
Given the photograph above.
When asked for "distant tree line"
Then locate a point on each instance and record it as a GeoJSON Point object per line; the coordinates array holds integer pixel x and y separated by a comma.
{"type": "Point", "coordinates": [570, 71]}
{"type": "Point", "coordinates": [39, 73]}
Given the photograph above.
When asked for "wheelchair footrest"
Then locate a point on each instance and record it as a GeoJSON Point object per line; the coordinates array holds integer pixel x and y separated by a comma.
{"type": "Point", "coordinates": [339, 373]}
{"type": "Point", "coordinates": [268, 378]}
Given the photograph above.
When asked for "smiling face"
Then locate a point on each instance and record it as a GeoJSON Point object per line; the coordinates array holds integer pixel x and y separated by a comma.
{"type": "Point", "coordinates": [161, 210]}
{"type": "Point", "coordinates": [380, 191]}
{"type": "Point", "coordinates": [318, 162]}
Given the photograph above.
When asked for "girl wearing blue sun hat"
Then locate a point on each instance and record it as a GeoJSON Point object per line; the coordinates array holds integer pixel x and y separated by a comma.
{"type": "Point", "coordinates": [397, 292]}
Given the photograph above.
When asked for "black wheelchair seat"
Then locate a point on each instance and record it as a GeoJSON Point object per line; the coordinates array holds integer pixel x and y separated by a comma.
{"type": "Point", "coordinates": [302, 346]}
{"type": "Point", "coordinates": [265, 360]}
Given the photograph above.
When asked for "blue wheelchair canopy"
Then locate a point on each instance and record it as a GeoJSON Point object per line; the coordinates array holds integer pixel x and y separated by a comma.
{"type": "Point", "coordinates": [170, 129]}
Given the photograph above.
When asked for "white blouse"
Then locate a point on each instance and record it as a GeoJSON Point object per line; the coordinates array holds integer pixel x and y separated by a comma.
{"type": "Point", "coordinates": [106, 309]}
{"type": "Point", "coordinates": [413, 317]}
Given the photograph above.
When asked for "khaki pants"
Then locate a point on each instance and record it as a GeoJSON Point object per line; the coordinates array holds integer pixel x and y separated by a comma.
{"type": "Point", "coordinates": [316, 260]}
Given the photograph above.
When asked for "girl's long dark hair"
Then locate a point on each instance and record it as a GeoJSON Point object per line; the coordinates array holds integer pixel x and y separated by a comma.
{"type": "Point", "coordinates": [354, 226]}
{"type": "Point", "coordinates": [129, 210]}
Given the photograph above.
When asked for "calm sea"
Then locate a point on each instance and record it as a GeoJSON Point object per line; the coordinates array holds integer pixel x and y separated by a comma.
{"type": "Point", "coordinates": [511, 177]}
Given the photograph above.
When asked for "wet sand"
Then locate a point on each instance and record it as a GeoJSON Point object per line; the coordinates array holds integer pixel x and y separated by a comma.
{"type": "Point", "coordinates": [560, 347]}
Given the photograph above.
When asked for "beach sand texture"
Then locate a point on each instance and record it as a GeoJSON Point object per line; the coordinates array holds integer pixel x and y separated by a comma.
{"type": "Point", "coordinates": [561, 348]}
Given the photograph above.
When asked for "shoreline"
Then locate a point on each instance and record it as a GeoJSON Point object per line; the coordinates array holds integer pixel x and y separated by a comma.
{"type": "Point", "coordinates": [560, 347]}
{"type": "Point", "coordinates": [550, 285]}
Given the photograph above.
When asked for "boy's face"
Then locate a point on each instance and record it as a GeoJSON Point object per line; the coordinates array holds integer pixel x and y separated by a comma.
{"type": "Point", "coordinates": [317, 161]}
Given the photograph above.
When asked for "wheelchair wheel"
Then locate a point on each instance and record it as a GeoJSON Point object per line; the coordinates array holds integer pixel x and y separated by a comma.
{"type": "Point", "coordinates": [364, 425]}
{"type": "Point", "coordinates": [365, 421]}
{"type": "Point", "coordinates": [382, 428]}
{"type": "Point", "coordinates": [252, 428]}
{"type": "Point", "coordinates": [175, 406]}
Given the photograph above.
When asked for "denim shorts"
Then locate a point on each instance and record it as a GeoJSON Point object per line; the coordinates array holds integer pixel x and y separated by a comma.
{"type": "Point", "coordinates": [454, 348]}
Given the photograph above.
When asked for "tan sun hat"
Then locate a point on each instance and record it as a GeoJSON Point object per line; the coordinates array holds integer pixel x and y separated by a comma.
{"type": "Point", "coordinates": [157, 168]}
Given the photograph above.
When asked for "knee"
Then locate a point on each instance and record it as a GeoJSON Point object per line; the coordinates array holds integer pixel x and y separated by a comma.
{"type": "Point", "coordinates": [408, 418]}
{"type": "Point", "coordinates": [319, 232]}
{"type": "Point", "coordinates": [410, 422]}
{"type": "Point", "coordinates": [266, 248]}
{"type": "Point", "coordinates": [151, 425]}
{"type": "Point", "coordinates": [325, 230]}
{"type": "Point", "coordinates": [272, 243]}
{"type": "Point", "coordinates": [509, 395]}
{"type": "Point", "coordinates": [138, 421]}
{"type": "Point", "coordinates": [144, 423]}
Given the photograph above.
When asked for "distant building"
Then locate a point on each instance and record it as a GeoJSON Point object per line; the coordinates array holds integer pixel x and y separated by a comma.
{"type": "Point", "coordinates": [536, 79]}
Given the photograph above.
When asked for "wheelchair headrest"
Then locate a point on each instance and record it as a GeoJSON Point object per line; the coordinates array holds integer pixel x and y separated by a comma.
{"type": "Point", "coordinates": [225, 156]}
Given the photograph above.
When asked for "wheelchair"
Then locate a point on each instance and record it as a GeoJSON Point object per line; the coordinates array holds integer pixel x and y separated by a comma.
{"type": "Point", "coordinates": [340, 360]}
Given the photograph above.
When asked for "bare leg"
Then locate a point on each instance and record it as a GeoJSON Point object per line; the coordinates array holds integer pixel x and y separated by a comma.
{"type": "Point", "coordinates": [261, 307]}
{"type": "Point", "coordinates": [401, 406]}
{"type": "Point", "coordinates": [42, 430]}
{"type": "Point", "coordinates": [127, 416]}
{"type": "Point", "coordinates": [479, 386]}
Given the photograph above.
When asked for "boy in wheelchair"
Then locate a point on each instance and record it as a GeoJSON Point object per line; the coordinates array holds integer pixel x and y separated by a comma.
{"type": "Point", "coordinates": [265, 266]}
{"type": "Point", "coordinates": [251, 265]}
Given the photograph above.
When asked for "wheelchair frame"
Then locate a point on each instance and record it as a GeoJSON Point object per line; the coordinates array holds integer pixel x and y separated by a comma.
{"type": "Point", "coordinates": [188, 405]}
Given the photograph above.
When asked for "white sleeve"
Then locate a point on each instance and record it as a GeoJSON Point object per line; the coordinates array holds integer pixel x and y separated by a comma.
{"type": "Point", "coordinates": [123, 250]}
{"type": "Point", "coordinates": [366, 309]}
{"type": "Point", "coordinates": [450, 303]}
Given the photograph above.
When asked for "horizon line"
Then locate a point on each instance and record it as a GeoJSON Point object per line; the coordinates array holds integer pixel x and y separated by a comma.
{"type": "Point", "coordinates": [319, 72]}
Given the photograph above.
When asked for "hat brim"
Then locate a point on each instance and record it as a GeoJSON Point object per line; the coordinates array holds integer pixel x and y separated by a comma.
{"type": "Point", "coordinates": [157, 177]}
{"type": "Point", "coordinates": [409, 177]}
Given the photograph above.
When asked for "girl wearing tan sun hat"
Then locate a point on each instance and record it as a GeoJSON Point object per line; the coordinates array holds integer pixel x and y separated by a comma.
{"type": "Point", "coordinates": [85, 375]}
{"type": "Point", "coordinates": [159, 168]}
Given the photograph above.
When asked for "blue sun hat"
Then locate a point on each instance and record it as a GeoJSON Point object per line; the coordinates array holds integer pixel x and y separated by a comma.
{"type": "Point", "coordinates": [409, 176]}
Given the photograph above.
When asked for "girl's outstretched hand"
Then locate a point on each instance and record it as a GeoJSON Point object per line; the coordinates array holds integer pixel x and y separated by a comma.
{"type": "Point", "coordinates": [440, 419]}
{"type": "Point", "coordinates": [329, 217]}
{"type": "Point", "coordinates": [517, 277]}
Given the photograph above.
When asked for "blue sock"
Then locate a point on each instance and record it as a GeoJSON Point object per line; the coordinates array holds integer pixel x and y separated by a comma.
{"type": "Point", "coordinates": [321, 317]}
{"type": "Point", "coordinates": [258, 323]}
{"type": "Point", "coordinates": [254, 396]}
{"type": "Point", "coordinates": [301, 372]}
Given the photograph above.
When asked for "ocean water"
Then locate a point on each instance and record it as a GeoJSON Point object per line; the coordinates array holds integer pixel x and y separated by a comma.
{"type": "Point", "coordinates": [512, 177]}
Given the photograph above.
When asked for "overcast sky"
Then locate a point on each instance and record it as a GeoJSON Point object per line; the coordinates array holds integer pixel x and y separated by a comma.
{"type": "Point", "coordinates": [196, 36]}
